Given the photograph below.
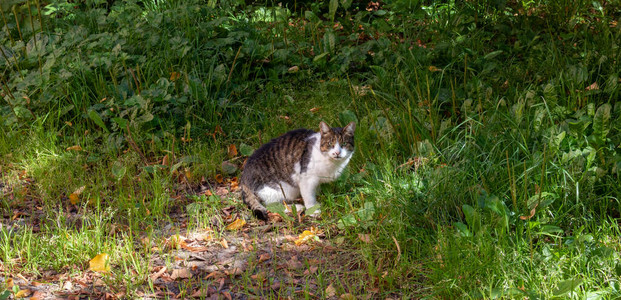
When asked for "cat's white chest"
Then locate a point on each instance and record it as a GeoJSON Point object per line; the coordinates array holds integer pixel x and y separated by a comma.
{"type": "Point", "coordinates": [322, 167]}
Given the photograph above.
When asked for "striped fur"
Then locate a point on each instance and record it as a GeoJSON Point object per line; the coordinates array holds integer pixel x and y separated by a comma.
{"type": "Point", "coordinates": [294, 165]}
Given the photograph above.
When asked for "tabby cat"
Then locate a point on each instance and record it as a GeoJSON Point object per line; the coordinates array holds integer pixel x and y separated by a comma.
{"type": "Point", "coordinates": [294, 165]}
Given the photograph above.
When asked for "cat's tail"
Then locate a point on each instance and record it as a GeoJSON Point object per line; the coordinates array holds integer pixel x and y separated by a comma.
{"type": "Point", "coordinates": [253, 202]}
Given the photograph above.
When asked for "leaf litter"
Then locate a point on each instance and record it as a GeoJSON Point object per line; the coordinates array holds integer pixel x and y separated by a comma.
{"type": "Point", "coordinates": [281, 260]}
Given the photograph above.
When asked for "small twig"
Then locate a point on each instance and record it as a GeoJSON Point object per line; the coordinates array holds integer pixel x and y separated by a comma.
{"type": "Point", "coordinates": [133, 144]}
{"type": "Point", "coordinates": [398, 249]}
{"type": "Point", "coordinates": [233, 65]}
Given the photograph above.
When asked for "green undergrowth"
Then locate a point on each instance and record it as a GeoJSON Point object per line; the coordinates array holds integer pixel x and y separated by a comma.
{"type": "Point", "coordinates": [487, 143]}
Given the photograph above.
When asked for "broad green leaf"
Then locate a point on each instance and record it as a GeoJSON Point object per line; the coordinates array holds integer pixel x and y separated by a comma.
{"type": "Point", "coordinates": [93, 115]}
{"type": "Point", "coordinates": [347, 116]}
{"type": "Point", "coordinates": [493, 54]}
{"type": "Point", "coordinates": [346, 3]}
{"type": "Point", "coordinates": [245, 149]}
{"type": "Point", "coordinates": [320, 56]}
{"type": "Point", "coordinates": [462, 229]}
{"type": "Point", "coordinates": [472, 217]}
{"type": "Point", "coordinates": [567, 286]}
{"type": "Point", "coordinates": [541, 200]}
{"type": "Point", "coordinates": [601, 122]}
{"type": "Point", "coordinates": [334, 4]}
{"type": "Point", "coordinates": [118, 170]}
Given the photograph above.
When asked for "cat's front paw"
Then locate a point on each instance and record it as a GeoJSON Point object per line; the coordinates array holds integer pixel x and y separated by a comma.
{"type": "Point", "coordinates": [314, 211]}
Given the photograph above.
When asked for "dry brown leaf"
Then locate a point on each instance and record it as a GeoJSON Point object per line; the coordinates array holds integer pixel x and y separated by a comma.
{"type": "Point", "coordinates": [434, 69]}
{"type": "Point", "coordinates": [234, 184]}
{"type": "Point", "coordinates": [314, 109]}
{"type": "Point", "coordinates": [236, 225]}
{"type": "Point", "coordinates": [38, 295]}
{"type": "Point", "coordinates": [100, 263]}
{"type": "Point", "coordinates": [594, 86]}
{"type": "Point", "coordinates": [364, 237]}
{"type": "Point", "coordinates": [347, 296]}
{"type": "Point", "coordinates": [293, 69]}
{"type": "Point", "coordinates": [75, 196]}
{"type": "Point", "coordinates": [219, 178]}
{"type": "Point", "coordinates": [174, 76]}
{"type": "Point", "coordinates": [215, 275]}
{"type": "Point", "coordinates": [232, 151]}
{"type": "Point", "coordinates": [224, 243]}
{"type": "Point", "coordinates": [330, 291]}
{"type": "Point", "coordinates": [165, 160]}
{"type": "Point", "coordinates": [294, 263]}
{"type": "Point", "coordinates": [263, 257]}
{"type": "Point", "coordinates": [181, 273]}
{"type": "Point", "coordinates": [75, 148]}
{"type": "Point", "coordinates": [157, 275]}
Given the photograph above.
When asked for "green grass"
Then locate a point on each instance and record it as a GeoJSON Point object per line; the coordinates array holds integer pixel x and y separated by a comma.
{"type": "Point", "coordinates": [487, 146]}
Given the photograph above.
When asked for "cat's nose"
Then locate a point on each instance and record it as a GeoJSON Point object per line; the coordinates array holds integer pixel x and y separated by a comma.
{"type": "Point", "coordinates": [337, 153]}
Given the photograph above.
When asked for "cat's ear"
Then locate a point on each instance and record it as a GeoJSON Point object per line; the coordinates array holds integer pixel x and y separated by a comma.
{"type": "Point", "coordinates": [324, 128]}
{"type": "Point", "coordinates": [349, 129]}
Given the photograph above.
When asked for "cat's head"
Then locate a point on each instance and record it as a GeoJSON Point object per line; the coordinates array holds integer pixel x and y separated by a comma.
{"type": "Point", "coordinates": [337, 143]}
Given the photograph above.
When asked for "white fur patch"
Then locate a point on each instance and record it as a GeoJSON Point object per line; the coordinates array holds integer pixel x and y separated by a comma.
{"type": "Point", "coordinates": [283, 192]}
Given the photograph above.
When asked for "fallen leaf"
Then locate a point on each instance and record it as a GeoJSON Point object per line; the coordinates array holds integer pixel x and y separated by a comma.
{"type": "Point", "coordinates": [75, 196]}
{"type": "Point", "coordinates": [174, 76]}
{"type": "Point", "coordinates": [68, 285]}
{"type": "Point", "coordinates": [38, 295]}
{"type": "Point", "coordinates": [532, 213]}
{"type": "Point", "coordinates": [314, 109]}
{"type": "Point", "coordinates": [74, 148]}
{"type": "Point", "coordinates": [219, 178]}
{"type": "Point", "coordinates": [232, 151]}
{"type": "Point", "coordinates": [234, 184]}
{"type": "Point", "coordinates": [236, 225]}
{"type": "Point", "coordinates": [224, 243]}
{"type": "Point", "coordinates": [294, 263]}
{"type": "Point", "coordinates": [293, 69]}
{"type": "Point", "coordinates": [9, 283]}
{"type": "Point", "coordinates": [307, 236]}
{"type": "Point", "coordinates": [157, 275]}
{"type": "Point", "coordinates": [347, 296]}
{"type": "Point", "coordinates": [330, 291]}
{"type": "Point", "coordinates": [311, 270]}
{"type": "Point", "coordinates": [593, 86]}
{"type": "Point", "coordinates": [180, 273]}
{"type": "Point", "coordinates": [364, 237]}
{"type": "Point", "coordinates": [434, 69]}
{"type": "Point", "coordinates": [263, 257]}
{"type": "Point", "coordinates": [100, 263]}
{"type": "Point", "coordinates": [22, 294]}
{"type": "Point", "coordinates": [228, 167]}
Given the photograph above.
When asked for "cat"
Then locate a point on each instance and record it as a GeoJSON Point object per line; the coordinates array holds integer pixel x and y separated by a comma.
{"type": "Point", "coordinates": [294, 165]}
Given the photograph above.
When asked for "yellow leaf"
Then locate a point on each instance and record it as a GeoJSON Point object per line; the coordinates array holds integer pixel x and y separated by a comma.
{"type": "Point", "coordinates": [22, 294]}
{"type": "Point", "coordinates": [174, 76]}
{"type": "Point", "coordinates": [100, 263]}
{"type": "Point", "coordinates": [9, 283]}
{"type": "Point", "coordinates": [307, 235]}
{"type": "Point", "coordinates": [75, 196]}
{"type": "Point", "coordinates": [75, 148]}
{"type": "Point", "coordinates": [224, 243]}
{"type": "Point", "coordinates": [236, 225]}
